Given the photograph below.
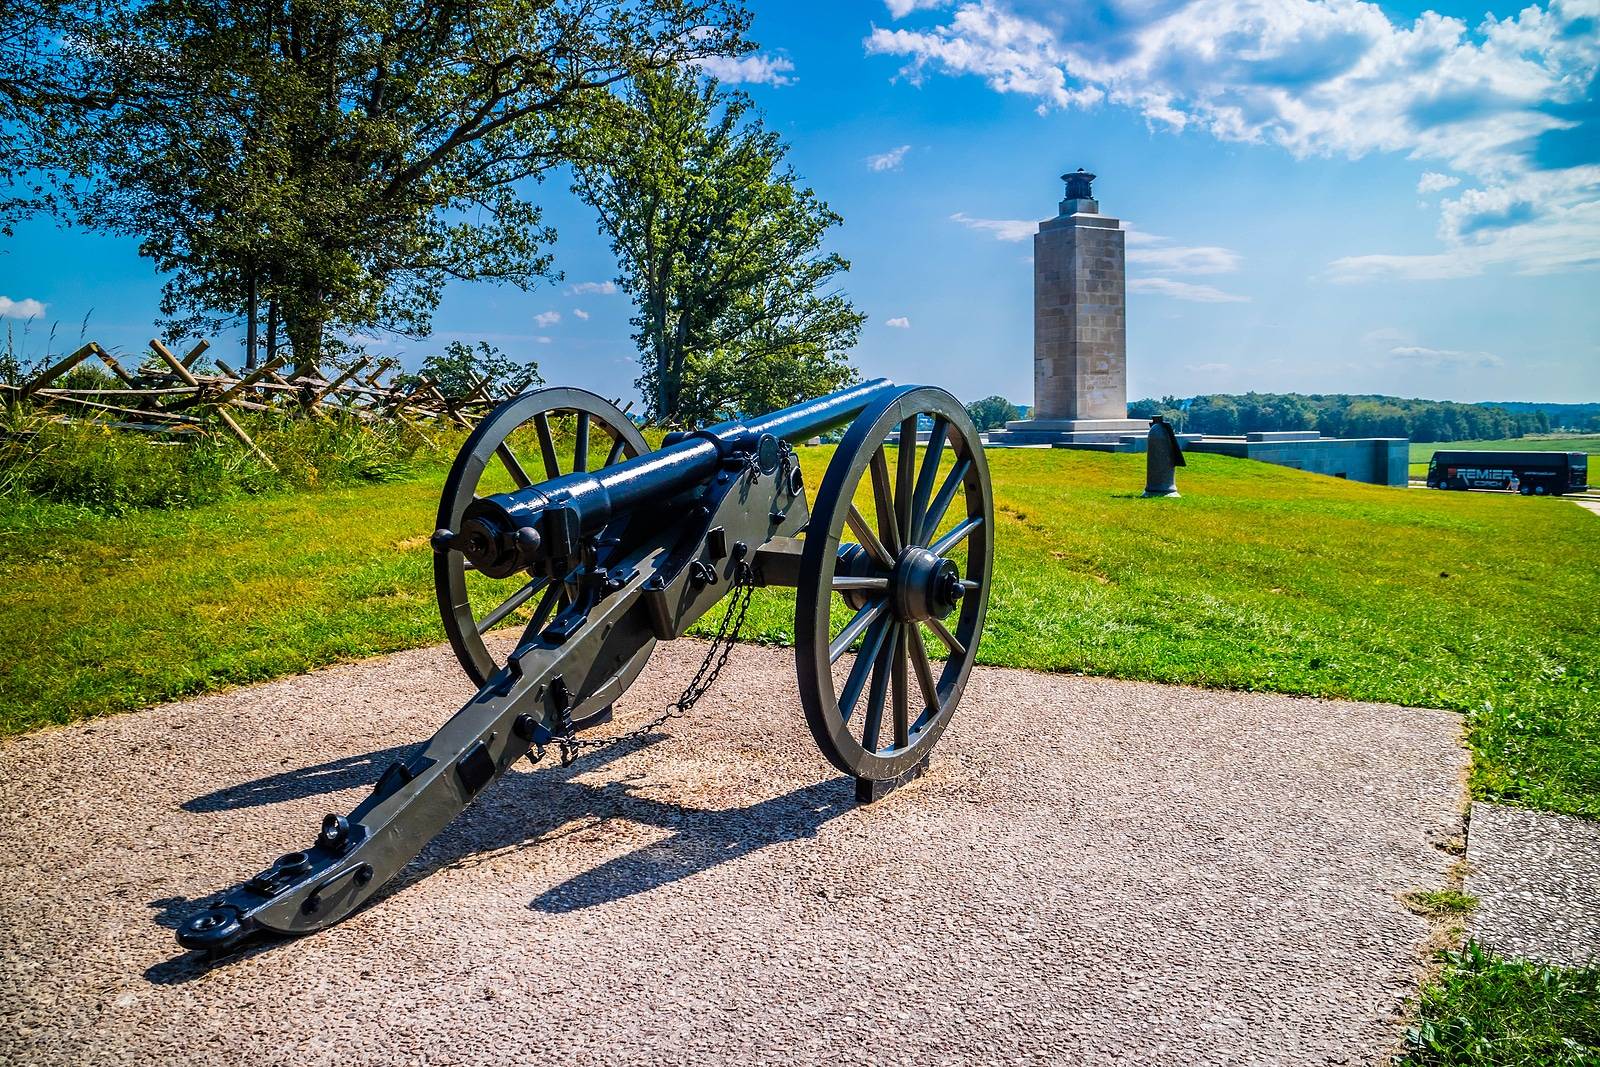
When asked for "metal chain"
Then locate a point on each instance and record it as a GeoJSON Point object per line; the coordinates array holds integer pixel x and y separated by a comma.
{"type": "Point", "coordinates": [705, 677]}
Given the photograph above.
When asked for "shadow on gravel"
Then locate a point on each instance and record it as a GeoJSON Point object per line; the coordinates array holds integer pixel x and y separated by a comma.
{"type": "Point", "coordinates": [330, 777]}
{"type": "Point", "coordinates": [523, 810]}
{"type": "Point", "coordinates": [701, 840]}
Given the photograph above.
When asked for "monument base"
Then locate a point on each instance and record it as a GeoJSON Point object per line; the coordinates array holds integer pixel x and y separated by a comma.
{"type": "Point", "coordinates": [1047, 433]}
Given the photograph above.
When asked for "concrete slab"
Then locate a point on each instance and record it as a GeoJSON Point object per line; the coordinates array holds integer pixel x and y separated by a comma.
{"type": "Point", "coordinates": [1537, 879]}
{"type": "Point", "coordinates": [1093, 872]}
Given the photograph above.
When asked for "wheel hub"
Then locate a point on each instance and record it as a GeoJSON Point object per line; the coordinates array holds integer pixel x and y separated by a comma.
{"type": "Point", "coordinates": [924, 586]}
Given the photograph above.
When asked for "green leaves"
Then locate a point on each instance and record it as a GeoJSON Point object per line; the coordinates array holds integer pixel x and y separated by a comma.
{"type": "Point", "coordinates": [354, 155]}
{"type": "Point", "coordinates": [721, 249]}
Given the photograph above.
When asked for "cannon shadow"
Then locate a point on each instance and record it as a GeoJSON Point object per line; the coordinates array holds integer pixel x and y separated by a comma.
{"type": "Point", "coordinates": [349, 772]}
{"type": "Point", "coordinates": [525, 810]}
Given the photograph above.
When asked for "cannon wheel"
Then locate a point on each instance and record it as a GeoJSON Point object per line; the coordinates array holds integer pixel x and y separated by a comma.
{"type": "Point", "coordinates": [599, 432]}
{"type": "Point", "coordinates": [911, 582]}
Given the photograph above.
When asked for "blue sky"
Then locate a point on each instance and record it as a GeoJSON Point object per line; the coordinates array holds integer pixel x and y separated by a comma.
{"type": "Point", "coordinates": [1323, 195]}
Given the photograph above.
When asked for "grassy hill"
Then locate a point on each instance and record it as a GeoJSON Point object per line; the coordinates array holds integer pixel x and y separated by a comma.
{"type": "Point", "coordinates": [1259, 577]}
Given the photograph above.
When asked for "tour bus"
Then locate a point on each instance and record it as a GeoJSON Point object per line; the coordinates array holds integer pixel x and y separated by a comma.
{"type": "Point", "coordinates": [1530, 473]}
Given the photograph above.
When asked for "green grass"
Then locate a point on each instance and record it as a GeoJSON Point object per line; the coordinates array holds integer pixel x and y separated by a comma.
{"type": "Point", "coordinates": [1439, 903]}
{"type": "Point", "coordinates": [1484, 1011]}
{"type": "Point", "coordinates": [1259, 577]}
{"type": "Point", "coordinates": [1422, 453]}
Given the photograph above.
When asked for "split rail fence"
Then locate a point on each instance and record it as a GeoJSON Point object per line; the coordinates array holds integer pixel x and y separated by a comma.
{"type": "Point", "coordinates": [169, 394]}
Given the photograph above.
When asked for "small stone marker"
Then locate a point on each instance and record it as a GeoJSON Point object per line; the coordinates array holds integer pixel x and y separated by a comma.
{"type": "Point", "coordinates": [1163, 457]}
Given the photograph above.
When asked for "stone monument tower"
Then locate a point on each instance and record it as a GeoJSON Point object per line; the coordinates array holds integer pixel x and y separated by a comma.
{"type": "Point", "coordinates": [1080, 337]}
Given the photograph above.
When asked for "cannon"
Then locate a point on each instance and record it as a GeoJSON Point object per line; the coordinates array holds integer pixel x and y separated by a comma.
{"type": "Point", "coordinates": [557, 517]}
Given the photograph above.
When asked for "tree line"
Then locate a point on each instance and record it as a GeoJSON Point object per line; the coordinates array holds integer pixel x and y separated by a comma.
{"type": "Point", "coordinates": [1342, 415]}
{"type": "Point", "coordinates": [327, 166]}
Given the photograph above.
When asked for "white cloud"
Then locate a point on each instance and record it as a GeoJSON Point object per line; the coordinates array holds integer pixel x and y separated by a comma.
{"type": "Point", "coordinates": [543, 340]}
{"type": "Point", "coordinates": [592, 289]}
{"type": "Point", "coordinates": [1002, 229]}
{"type": "Point", "coordinates": [757, 69]}
{"type": "Point", "coordinates": [1208, 368]}
{"type": "Point", "coordinates": [1317, 78]}
{"type": "Point", "coordinates": [901, 8]}
{"type": "Point", "coordinates": [1434, 182]}
{"type": "Point", "coordinates": [899, 322]}
{"type": "Point", "coordinates": [20, 309]}
{"type": "Point", "coordinates": [1444, 358]}
{"type": "Point", "coordinates": [580, 313]}
{"type": "Point", "coordinates": [1199, 294]}
{"type": "Point", "coordinates": [889, 160]}
{"type": "Point", "coordinates": [546, 318]}
{"type": "Point", "coordinates": [1160, 254]}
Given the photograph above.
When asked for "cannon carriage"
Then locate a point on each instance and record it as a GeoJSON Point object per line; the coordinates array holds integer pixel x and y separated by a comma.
{"type": "Point", "coordinates": [557, 517]}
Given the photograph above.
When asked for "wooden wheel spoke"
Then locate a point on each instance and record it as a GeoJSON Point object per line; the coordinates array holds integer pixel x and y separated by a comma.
{"type": "Point", "coordinates": [956, 536]}
{"type": "Point", "coordinates": [513, 467]}
{"type": "Point", "coordinates": [865, 585]}
{"type": "Point", "coordinates": [580, 450]}
{"type": "Point", "coordinates": [883, 497]}
{"type": "Point", "coordinates": [877, 694]}
{"type": "Point", "coordinates": [899, 688]}
{"type": "Point", "coordinates": [905, 469]}
{"type": "Point", "coordinates": [941, 502]}
{"type": "Point", "coordinates": [930, 470]}
{"type": "Point", "coordinates": [924, 668]}
{"type": "Point", "coordinates": [865, 659]}
{"type": "Point", "coordinates": [510, 604]}
{"type": "Point", "coordinates": [615, 453]}
{"type": "Point", "coordinates": [956, 647]}
{"type": "Point", "coordinates": [852, 629]}
{"type": "Point", "coordinates": [547, 445]}
{"type": "Point", "coordinates": [869, 540]}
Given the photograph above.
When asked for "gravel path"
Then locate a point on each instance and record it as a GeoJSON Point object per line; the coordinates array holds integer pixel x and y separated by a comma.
{"type": "Point", "coordinates": [1093, 872]}
{"type": "Point", "coordinates": [1537, 879]}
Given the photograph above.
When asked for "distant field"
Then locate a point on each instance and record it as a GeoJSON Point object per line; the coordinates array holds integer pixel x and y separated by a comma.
{"type": "Point", "coordinates": [1259, 577]}
{"type": "Point", "coordinates": [1590, 443]}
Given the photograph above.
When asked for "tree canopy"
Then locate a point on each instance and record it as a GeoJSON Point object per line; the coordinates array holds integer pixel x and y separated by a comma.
{"type": "Point", "coordinates": [721, 249]}
{"type": "Point", "coordinates": [992, 412]}
{"type": "Point", "coordinates": [1342, 415]}
{"type": "Point", "coordinates": [353, 155]}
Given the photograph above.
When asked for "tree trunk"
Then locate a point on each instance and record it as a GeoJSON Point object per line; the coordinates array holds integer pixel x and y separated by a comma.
{"type": "Point", "coordinates": [305, 328]}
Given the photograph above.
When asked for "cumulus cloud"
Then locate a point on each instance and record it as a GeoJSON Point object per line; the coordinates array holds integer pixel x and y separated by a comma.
{"type": "Point", "coordinates": [1444, 358]}
{"type": "Point", "coordinates": [1002, 229]}
{"type": "Point", "coordinates": [1160, 254]}
{"type": "Point", "coordinates": [900, 322]}
{"type": "Point", "coordinates": [1434, 182]}
{"type": "Point", "coordinates": [889, 160]}
{"type": "Point", "coordinates": [547, 318]}
{"type": "Point", "coordinates": [1316, 78]}
{"type": "Point", "coordinates": [1198, 294]}
{"type": "Point", "coordinates": [756, 69]}
{"type": "Point", "coordinates": [901, 8]}
{"type": "Point", "coordinates": [580, 313]}
{"type": "Point", "coordinates": [20, 309]}
{"type": "Point", "coordinates": [592, 289]}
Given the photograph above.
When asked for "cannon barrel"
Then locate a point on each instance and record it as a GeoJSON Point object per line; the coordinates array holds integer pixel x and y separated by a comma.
{"type": "Point", "coordinates": [505, 532]}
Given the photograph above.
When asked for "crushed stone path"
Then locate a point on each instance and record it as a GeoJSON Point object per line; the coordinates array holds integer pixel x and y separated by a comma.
{"type": "Point", "coordinates": [1093, 871]}
{"type": "Point", "coordinates": [1537, 879]}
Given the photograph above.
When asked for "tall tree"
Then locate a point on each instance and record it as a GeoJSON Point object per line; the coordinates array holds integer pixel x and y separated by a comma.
{"type": "Point", "coordinates": [720, 248]}
{"type": "Point", "coordinates": [354, 155]}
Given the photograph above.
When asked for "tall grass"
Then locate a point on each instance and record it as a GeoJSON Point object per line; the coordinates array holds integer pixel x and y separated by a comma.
{"type": "Point", "coordinates": [92, 465]}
